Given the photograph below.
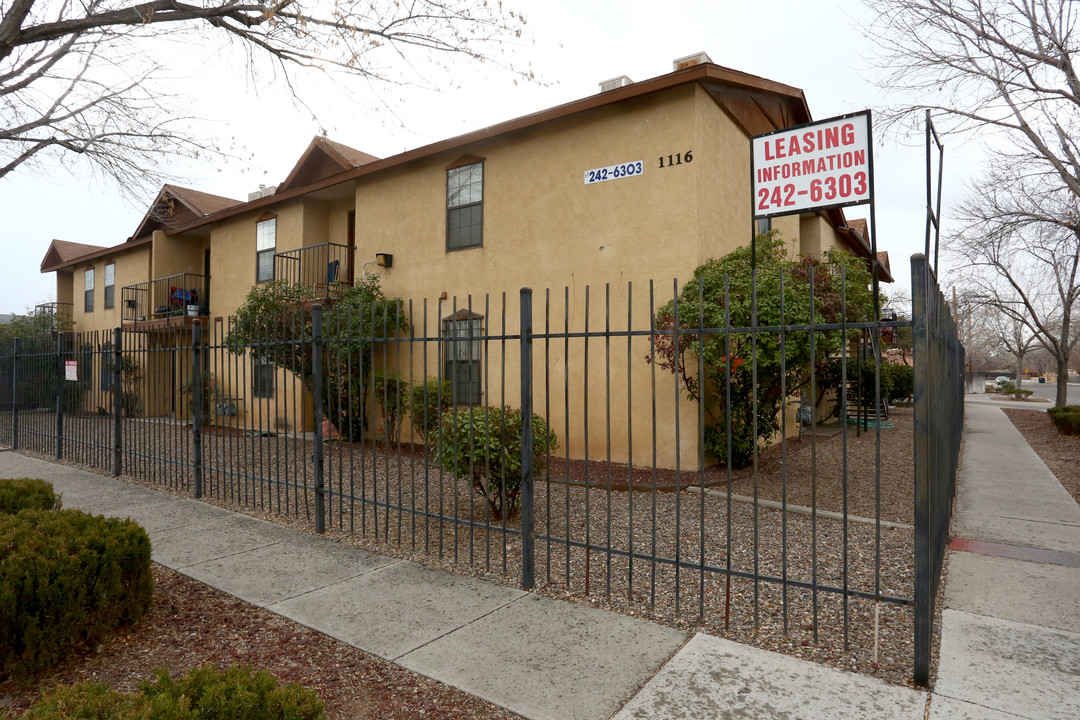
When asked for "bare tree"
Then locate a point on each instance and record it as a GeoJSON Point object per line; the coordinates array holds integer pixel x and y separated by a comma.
{"type": "Point", "coordinates": [1020, 252]}
{"type": "Point", "coordinates": [1016, 339]}
{"type": "Point", "coordinates": [1006, 68]}
{"type": "Point", "coordinates": [85, 79]}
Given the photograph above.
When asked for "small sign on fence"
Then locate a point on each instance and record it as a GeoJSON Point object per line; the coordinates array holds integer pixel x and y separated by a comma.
{"type": "Point", "coordinates": [71, 370]}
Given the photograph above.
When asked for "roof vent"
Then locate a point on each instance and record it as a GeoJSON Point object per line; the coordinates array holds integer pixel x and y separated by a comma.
{"type": "Point", "coordinates": [690, 61]}
{"type": "Point", "coordinates": [263, 191]}
{"type": "Point", "coordinates": [614, 83]}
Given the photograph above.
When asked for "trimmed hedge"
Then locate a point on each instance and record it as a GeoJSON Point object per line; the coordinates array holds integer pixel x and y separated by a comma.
{"type": "Point", "coordinates": [1066, 419]}
{"type": "Point", "coordinates": [67, 580]}
{"type": "Point", "coordinates": [24, 493]}
{"type": "Point", "coordinates": [205, 693]}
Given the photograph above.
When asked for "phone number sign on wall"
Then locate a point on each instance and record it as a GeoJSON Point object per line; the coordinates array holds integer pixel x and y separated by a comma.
{"type": "Point", "coordinates": [812, 167]}
{"type": "Point", "coordinates": [614, 172]}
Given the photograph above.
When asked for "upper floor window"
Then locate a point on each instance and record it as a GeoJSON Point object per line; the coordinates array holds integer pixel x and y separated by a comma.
{"type": "Point", "coordinates": [465, 206]}
{"type": "Point", "coordinates": [110, 284]}
{"type": "Point", "coordinates": [265, 246]}
{"type": "Point", "coordinates": [88, 290]}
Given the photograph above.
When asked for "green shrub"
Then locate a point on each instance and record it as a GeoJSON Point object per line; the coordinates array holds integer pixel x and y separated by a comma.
{"type": "Point", "coordinates": [67, 580]}
{"type": "Point", "coordinates": [898, 382]}
{"type": "Point", "coordinates": [1066, 419]}
{"type": "Point", "coordinates": [1017, 393]}
{"type": "Point", "coordinates": [427, 403]}
{"type": "Point", "coordinates": [22, 493]}
{"type": "Point", "coordinates": [392, 394]}
{"type": "Point", "coordinates": [206, 693]}
{"type": "Point", "coordinates": [483, 444]}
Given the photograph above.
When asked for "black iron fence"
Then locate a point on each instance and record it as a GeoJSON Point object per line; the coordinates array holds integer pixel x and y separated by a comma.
{"type": "Point", "coordinates": [939, 426]}
{"type": "Point", "coordinates": [653, 449]}
{"type": "Point", "coordinates": [321, 269]}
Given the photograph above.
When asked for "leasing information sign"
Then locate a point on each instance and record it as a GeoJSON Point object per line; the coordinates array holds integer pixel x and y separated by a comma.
{"type": "Point", "coordinates": [810, 167]}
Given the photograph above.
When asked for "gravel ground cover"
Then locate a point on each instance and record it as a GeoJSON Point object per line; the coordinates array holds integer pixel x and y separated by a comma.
{"type": "Point", "coordinates": [657, 554]}
{"type": "Point", "coordinates": [1059, 452]}
{"type": "Point", "coordinates": [191, 624]}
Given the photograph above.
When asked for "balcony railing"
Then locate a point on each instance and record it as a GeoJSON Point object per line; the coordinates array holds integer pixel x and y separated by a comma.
{"type": "Point", "coordinates": [163, 298]}
{"type": "Point", "coordinates": [55, 316]}
{"type": "Point", "coordinates": [323, 269]}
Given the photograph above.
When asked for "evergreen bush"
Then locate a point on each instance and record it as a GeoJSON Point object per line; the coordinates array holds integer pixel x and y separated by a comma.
{"type": "Point", "coordinates": [27, 493]}
{"type": "Point", "coordinates": [205, 693]}
{"type": "Point", "coordinates": [67, 581]}
{"type": "Point", "coordinates": [1066, 419]}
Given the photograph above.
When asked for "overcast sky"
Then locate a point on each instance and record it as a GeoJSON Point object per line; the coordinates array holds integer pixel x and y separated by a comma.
{"type": "Point", "coordinates": [812, 45]}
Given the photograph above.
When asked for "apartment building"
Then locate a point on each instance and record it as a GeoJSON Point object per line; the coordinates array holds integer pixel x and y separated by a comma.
{"type": "Point", "coordinates": [595, 198]}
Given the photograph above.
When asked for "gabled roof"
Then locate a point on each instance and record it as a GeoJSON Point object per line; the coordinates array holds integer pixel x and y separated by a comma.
{"type": "Point", "coordinates": [323, 158]}
{"type": "Point", "coordinates": [175, 206]}
{"type": "Point", "coordinates": [61, 253]}
{"type": "Point", "coordinates": [742, 95]}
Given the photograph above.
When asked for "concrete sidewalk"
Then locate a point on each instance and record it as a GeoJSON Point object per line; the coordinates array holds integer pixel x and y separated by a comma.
{"type": "Point", "coordinates": [544, 658]}
{"type": "Point", "coordinates": [1010, 640]}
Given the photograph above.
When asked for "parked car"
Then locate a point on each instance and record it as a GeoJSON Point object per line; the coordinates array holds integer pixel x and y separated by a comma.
{"type": "Point", "coordinates": [1002, 379]}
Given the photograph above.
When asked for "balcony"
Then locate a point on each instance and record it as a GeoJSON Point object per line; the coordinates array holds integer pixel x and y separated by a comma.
{"type": "Point", "coordinates": [55, 316]}
{"type": "Point", "coordinates": [323, 270]}
{"type": "Point", "coordinates": [167, 302]}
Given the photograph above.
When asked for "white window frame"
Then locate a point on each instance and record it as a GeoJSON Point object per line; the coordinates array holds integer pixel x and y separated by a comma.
{"type": "Point", "coordinates": [464, 198]}
{"type": "Point", "coordinates": [110, 284]}
{"type": "Point", "coordinates": [88, 290]}
{"type": "Point", "coordinates": [265, 244]}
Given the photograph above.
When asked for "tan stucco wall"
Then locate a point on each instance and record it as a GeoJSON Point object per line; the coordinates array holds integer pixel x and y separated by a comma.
{"type": "Point", "coordinates": [132, 267]}
{"type": "Point", "coordinates": [176, 254]}
{"type": "Point", "coordinates": [544, 228]}
{"type": "Point", "coordinates": [64, 288]}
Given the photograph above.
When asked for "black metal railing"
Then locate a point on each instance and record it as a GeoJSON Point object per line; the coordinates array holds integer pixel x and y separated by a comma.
{"type": "Point", "coordinates": [184, 294]}
{"type": "Point", "coordinates": [343, 418]}
{"type": "Point", "coordinates": [57, 316]}
{"type": "Point", "coordinates": [939, 426]}
{"type": "Point", "coordinates": [322, 269]}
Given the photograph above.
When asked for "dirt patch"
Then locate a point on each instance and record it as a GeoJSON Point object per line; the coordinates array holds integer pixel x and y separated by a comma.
{"type": "Point", "coordinates": [1059, 452]}
{"type": "Point", "coordinates": [192, 624]}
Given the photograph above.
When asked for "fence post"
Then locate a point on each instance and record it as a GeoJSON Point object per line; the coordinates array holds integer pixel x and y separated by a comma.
{"type": "Point", "coordinates": [924, 589]}
{"type": "Point", "coordinates": [197, 404]}
{"type": "Point", "coordinates": [15, 394]}
{"type": "Point", "coordinates": [59, 404]}
{"type": "Point", "coordinates": [528, 559]}
{"type": "Point", "coordinates": [317, 458]}
{"type": "Point", "coordinates": [118, 400]}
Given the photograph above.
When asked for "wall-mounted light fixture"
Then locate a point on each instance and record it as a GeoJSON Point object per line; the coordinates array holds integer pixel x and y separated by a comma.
{"type": "Point", "coordinates": [385, 260]}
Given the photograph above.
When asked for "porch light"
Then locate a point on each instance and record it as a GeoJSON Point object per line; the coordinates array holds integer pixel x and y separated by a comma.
{"type": "Point", "coordinates": [385, 260]}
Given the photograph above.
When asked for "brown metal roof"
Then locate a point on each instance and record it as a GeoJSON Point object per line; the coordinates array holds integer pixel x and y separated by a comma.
{"type": "Point", "coordinates": [61, 253]}
{"type": "Point", "coordinates": [91, 252]}
{"type": "Point", "coordinates": [322, 159]}
{"type": "Point", "coordinates": [175, 206]}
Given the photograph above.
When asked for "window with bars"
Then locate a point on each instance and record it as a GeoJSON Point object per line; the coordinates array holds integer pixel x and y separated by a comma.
{"type": "Point", "coordinates": [262, 379]}
{"type": "Point", "coordinates": [461, 359]}
{"type": "Point", "coordinates": [465, 206]}
{"type": "Point", "coordinates": [265, 247]}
